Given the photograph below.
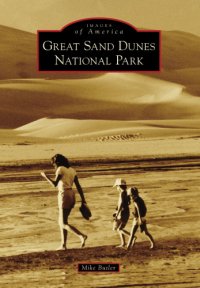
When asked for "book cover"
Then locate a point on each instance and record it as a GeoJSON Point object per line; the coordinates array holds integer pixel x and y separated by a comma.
{"type": "Point", "coordinates": [113, 86]}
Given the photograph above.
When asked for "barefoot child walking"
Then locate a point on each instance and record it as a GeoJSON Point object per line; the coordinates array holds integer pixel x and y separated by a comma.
{"type": "Point", "coordinates": [139, 218]}
{"type": "Point", "coordinates": [122, 213]}
{"type": "Point", "coordinates": [64, 179]}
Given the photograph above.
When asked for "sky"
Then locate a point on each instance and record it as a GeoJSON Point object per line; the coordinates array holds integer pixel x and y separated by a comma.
{"type": "Point", "coordinates": [33, 15]}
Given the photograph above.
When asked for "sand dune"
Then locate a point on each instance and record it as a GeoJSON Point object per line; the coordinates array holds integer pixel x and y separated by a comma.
{"type": "Point", "coordinates": [18, 56]}
{"type": "Point", "coordinates": [189, 77]}
{"type": "Point", "coordinates": [180, 50]}
{"type": "Point", "coordinates": [17, 53]}
{"type": "Point", "coordinates": [107, 130]}
{"type": "Point", "coordinates": [180, 60]}
{"type": "Point", "coordinates": [112, 96]}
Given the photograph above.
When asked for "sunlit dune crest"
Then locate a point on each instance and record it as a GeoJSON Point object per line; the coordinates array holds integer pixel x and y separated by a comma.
{"type": "Point", "coordinates": [112, 96]}
{"type": "Point", "coordinates": [107, 130]}
{"type": "Point", "coordinates": [170, 94]}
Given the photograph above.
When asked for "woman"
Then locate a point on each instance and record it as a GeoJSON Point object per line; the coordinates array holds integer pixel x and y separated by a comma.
{"type": "Point", "coordinates": [65, 177]}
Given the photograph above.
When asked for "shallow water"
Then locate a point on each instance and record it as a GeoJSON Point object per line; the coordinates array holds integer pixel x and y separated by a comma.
{"type": "Point", "coordinates": [29, 209]}
{"type": "Point", "coordinates": [29, 223]}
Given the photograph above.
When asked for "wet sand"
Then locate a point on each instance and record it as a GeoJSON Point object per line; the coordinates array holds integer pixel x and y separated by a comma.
{"type": "Point", "coordinates": [30, 234]}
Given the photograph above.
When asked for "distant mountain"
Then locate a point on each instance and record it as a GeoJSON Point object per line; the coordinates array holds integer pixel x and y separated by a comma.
{"type": "Point", "coordinates": [181, 60]}
{"type": "Point", "coordinates": [18, 57]}
{"type": "Point", "coordinates": [18, 54]}
{"type": "Point", "coordinates": [180, 50]}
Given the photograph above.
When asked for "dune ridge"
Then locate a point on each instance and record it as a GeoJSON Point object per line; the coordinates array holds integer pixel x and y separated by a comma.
{"type": "Point", "coordinates": [170, 94]}
{"type": "Point", "coordinates": [179, 50]}
{"type": "Point", "coordinates": [112, 96]}
{"type": "Point", "coordinates": [104, 130]}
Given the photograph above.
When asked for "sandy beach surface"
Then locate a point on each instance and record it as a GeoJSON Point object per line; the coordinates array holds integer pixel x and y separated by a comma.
{"type": "Point", "coordinates": [168, 180]}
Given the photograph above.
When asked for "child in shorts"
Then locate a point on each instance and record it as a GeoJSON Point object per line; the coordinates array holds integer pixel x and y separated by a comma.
{"type": "Point", "coordinates": [139, 219]}
{"type": "Point", "coordinates": [122, 213]}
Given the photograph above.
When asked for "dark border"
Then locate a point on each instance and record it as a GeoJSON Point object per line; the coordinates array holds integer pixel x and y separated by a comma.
{"type": "Point", "coordinates": [100, 71]}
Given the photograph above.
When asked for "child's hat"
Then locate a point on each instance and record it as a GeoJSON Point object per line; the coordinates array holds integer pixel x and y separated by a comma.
{"type": "Point", "coordinates": [119, 182]}
{"type": "Point", "coordinates": [133, 191]}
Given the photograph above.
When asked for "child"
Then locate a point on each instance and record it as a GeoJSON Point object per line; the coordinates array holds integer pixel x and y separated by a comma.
{"type": "Point", "coordinates": [65, 177]}
{"type": "Point", "coordinates": [139, 218]}
{"type": "Point", "coordinates": [122, 213]}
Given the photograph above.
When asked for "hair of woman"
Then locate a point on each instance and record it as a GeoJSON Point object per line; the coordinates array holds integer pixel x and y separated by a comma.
{"type": "Point", "coordinates": [60, 160]}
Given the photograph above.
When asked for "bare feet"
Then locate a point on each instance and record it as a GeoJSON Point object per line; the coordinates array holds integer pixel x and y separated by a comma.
{"type": "Point", "coordinates": [61, 248]}
{"type": "Point", "coordinates": [134, 240]}
{"type": "Point", "coordinates": [152, 246]}
{"type": "Point", "coordinates": [121, 246]}
{"type": "Point", "coordinates": [130, 245]}
{"type": "Point", "coordinates": [83, 239]}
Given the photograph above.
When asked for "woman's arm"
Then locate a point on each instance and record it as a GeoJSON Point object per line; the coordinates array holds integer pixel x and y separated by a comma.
{"type": "Point", "coordinates": [53, 183]}
{"type": "Point", "coordinates": [79, 188]}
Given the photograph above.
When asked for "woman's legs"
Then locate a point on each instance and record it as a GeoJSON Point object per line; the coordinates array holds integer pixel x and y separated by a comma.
{"type": "Point", "coordinates": [70, 228]}
{"type": "Point", "coordinates": [66, 227]}
{"type": "Point", "coordinates": [63, 234]}
{"type": "Point", "coordinates": [63, 218]}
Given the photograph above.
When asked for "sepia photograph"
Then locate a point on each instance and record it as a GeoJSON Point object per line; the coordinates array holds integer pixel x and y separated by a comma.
{"type": "Point", "coordinates": [100, 169]}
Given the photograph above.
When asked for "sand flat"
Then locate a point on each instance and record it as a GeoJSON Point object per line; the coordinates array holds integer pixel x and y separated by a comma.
{"type": "Point", "coordinates": [29, 233]}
